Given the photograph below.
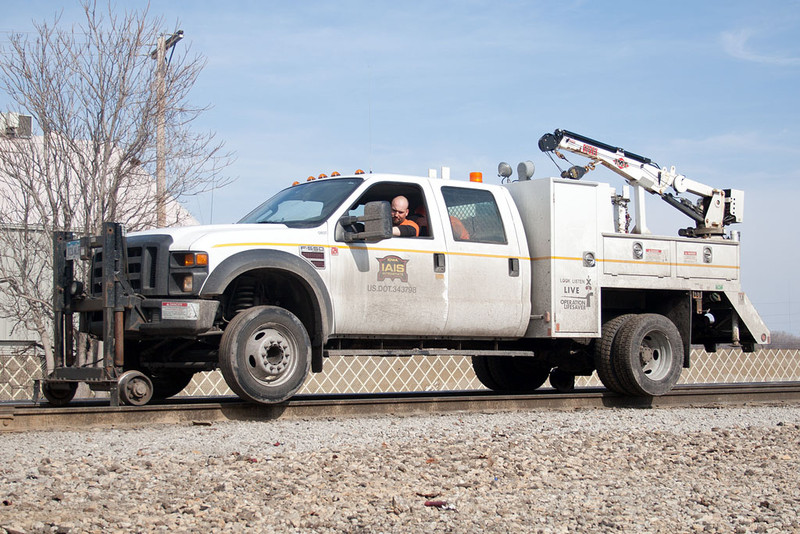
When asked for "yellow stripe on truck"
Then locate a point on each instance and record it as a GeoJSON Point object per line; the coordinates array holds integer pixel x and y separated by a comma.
{"type": "Point", "coordinates": [381, 249]}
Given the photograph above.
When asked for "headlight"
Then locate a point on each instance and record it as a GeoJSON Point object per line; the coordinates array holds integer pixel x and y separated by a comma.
{"type": "Point", "coordinates": [188, 271]}
{"type": "Point", "coordinates": [191, 259]}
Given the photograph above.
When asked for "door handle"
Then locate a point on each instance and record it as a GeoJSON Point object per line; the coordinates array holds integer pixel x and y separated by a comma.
{"type": "Point", "coordinates": [438, 262]}
{"type": "Point", "coordinates": [513, 266]}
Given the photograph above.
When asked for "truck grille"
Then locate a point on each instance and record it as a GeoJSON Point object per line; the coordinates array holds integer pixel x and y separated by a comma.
{"type": "Point", "coordinates": [148, 265]}
{"type": "Point", "coordinates": [142, 270]}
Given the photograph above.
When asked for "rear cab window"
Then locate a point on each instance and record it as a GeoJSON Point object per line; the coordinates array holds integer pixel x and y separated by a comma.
{"type": "Point", "coordinates": [474, 215]}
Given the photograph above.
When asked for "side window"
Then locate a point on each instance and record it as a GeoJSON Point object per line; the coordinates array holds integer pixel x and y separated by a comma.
{"type": "Point", "coordinates": [474, 215]}
{"type": "Point", "coordinates": [417, 208]}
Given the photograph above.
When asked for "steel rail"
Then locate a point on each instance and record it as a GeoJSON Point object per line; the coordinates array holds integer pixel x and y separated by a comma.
{"type": "Point", "coordinates": [207, 410]}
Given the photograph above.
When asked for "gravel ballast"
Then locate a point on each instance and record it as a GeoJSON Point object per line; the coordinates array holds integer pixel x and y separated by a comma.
{"type": "Point", "coordinates": [611, 470]}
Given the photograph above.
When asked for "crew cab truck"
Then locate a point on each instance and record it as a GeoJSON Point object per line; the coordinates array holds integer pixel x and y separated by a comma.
{"type": "Point", "coordinates": [534, 278]}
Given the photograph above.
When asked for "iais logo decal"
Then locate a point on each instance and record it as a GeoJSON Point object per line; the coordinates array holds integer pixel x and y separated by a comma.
{"type": "Point", "coordinates": [392, 268]}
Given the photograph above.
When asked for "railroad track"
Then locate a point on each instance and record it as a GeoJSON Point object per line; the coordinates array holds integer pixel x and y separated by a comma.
{"type": "Point", "coordinates": [206, 410]}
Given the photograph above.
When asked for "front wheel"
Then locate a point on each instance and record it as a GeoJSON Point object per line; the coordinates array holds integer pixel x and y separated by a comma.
{"type": "Point", "coordinates": [648, 355]}
{"type": "Point", "coordinates": [59, 393]}
{"type": "Point", "coordinates": [265, 354]}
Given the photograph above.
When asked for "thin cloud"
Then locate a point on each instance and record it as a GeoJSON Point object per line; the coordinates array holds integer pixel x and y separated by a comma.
{"type": "Point", "coordinates": [750, 142]}
{"type": "Point", "coordinates": [737, 44]}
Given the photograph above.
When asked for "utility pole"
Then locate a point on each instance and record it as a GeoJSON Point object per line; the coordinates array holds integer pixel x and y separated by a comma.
{"type": "Point", "coordinates": [160, 55]}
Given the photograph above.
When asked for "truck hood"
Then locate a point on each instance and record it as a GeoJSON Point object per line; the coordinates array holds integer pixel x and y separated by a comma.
{"type": "Point", "coordinates": [201, 237]}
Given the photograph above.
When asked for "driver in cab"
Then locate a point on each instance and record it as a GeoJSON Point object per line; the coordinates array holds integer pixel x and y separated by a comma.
{"type": "Point", "coordinates": [401, 225]}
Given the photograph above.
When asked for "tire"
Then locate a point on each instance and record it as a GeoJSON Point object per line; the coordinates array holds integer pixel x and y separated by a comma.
{"type": "Point", "coordinates": [59, 393]}
{"type": "Point", "coordinates": [517, 374]}
{"type": "Point", "coordinates": [480, 364]}
{"type": "Point", "coordinates": [562, 381]}
{"type": "Point", "coordinates": [648, 355]}
{"type": "Point", "coordinates": [265, 354]}
{"type": "Point", "coordinates": [603, 355]}
{"type": "Point", "coordinates": [168, 383]}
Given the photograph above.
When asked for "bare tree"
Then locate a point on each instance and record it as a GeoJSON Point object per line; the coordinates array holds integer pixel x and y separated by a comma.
{"type": "Point", "coordinates": [90, 89]}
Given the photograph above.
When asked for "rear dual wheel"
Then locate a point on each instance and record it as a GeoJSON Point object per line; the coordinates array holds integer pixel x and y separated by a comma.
{"type": "Point", "coordinates": [603, 357]}
{"type": "Point", "coordinates": [640, 355]}
{"type": "Point", "coordinates": [649, 355]}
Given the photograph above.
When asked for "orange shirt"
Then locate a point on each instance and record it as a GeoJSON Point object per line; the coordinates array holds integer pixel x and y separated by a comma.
{"type": "Point", "coordinates": [459, 231]}
{"type": "Point", "coordinates": [411, 230]}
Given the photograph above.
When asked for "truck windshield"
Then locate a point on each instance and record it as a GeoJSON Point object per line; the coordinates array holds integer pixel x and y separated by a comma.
{"type": "Point", "coordinates": [303, 206]}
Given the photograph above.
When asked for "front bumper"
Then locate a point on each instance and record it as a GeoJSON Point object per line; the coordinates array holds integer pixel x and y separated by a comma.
{"type": "Point", "coordinates": [158, 317]}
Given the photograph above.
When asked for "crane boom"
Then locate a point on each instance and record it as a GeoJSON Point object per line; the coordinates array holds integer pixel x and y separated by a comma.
{"type": "Point", "coordinates": [715, 208]}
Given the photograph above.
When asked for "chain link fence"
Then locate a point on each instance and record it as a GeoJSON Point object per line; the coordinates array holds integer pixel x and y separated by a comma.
{"type": "Point", "coordinates": [21, 365]}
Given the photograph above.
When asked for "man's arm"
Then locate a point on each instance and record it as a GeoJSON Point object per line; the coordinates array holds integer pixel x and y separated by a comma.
{"type": "Point", "coordinates": [406, 229]}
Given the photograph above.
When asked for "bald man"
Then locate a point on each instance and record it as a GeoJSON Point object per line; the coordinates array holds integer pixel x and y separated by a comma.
{"type": "Point", "coordinates": [401, 226]}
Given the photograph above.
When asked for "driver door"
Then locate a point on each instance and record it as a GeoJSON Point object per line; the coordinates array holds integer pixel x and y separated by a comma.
{"type": "Point", "coordinates": [397, 286]}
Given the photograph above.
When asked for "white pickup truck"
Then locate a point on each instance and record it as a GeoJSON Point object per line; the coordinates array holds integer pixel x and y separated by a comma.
{"type": "Point", "coordinates": [532, 278]}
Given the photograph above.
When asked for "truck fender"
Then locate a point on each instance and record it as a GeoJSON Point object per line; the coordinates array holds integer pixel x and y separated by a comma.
{"type": "Point", "coordinates": [251, 260]}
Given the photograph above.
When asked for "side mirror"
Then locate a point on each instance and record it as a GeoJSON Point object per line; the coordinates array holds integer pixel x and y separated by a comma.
{"type": "Point", "coordinates": [376, 222]}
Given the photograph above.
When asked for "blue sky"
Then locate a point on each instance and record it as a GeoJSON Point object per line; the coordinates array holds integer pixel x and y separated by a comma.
{"type": "Point", "coordinates": [304, 87]}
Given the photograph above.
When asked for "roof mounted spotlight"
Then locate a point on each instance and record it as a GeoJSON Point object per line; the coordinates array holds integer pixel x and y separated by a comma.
{"type": "Point", "coordinates": [504, 170]}
{"type": "Point", "coordinates": [525, 170]}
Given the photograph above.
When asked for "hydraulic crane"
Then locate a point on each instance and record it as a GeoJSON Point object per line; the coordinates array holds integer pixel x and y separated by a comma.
{"type": "Point", "coordinates": [713, 211]}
